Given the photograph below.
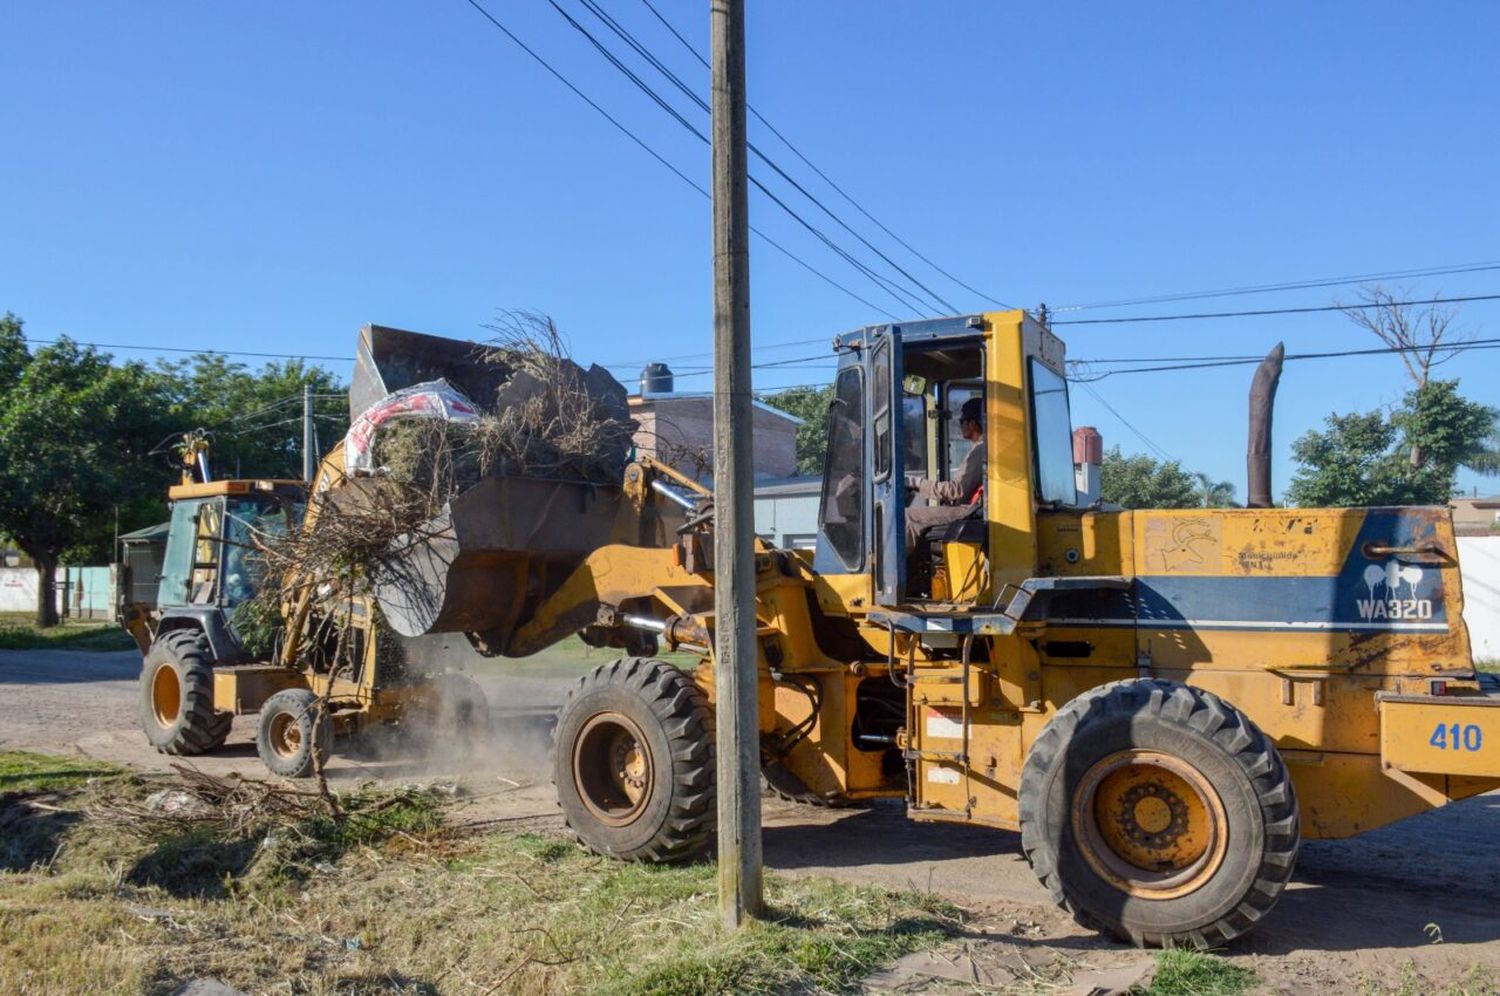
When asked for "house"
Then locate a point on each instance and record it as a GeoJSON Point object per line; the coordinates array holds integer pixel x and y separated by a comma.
{"type": "Point", "coordinates": [678, 427]}
{"type": "Point", "coordinates": [1476, 516]}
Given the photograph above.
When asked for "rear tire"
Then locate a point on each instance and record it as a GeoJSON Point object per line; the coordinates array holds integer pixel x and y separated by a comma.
{"type": "Point", "coordinates": [1159, 814]}
{"type": "Point", "coordinates": [634, 762]}
{"type": "Point", "coordinates": [177, 695]}
{"type": "Point", "coordinates": [295, 735]}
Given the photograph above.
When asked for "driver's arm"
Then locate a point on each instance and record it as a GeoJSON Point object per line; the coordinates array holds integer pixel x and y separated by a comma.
{"type": "Point", "coordinates": [970, 477]}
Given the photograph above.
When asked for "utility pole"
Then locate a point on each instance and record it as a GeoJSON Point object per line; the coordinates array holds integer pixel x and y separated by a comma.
{"type": "Point", "coordinates": [735, 672]}
{"type": "Point", "coordinates": [309, 457]}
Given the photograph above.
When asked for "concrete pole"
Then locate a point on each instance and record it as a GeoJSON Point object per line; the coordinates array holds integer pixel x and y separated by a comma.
{"type": "Point", "coordinates": [309, 457]}
{"type": "Point", "coordinates": [735, 684]}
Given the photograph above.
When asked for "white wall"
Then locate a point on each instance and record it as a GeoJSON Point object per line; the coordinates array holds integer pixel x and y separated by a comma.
{"type": "Point", "coordinates": [1479, 559]}
{"type": "Point", "coordinates": [17, 589]}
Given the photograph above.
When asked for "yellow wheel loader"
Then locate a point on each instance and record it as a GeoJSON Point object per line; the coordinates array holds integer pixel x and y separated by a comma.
{"type": "Point", "coordinates": [1162, 703]}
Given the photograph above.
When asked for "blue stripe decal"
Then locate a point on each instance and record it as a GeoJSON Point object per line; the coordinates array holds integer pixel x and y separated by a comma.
{"type": "Point", "coordinates": [1383, 594]}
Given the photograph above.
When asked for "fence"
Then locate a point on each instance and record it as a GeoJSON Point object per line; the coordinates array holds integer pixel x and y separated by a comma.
{"type": "Point", "coordinates": [90, 591]}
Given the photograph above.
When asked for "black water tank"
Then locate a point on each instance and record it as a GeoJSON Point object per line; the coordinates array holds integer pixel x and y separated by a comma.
{"type": "Point", "coordinates": [656, 378]}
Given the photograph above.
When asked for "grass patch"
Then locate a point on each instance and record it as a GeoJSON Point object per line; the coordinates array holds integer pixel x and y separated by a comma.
{"type": "Point", "coordinates": [19, 632]}
{"type": "Point", "coordinates": [1184, 972]}
{"type": "Point", "coordinates": [392, 901]}
{"type": "Point", "coordinates": [22, 771]}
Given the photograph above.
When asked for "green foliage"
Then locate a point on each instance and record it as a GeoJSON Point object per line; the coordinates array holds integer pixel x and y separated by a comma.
{"type": "Point", "coordinates": [1139, 481]}
{"type": "Point", "coordinates": [1409, 457]}
{"type": "Point", "coordinates": [255, 418]}
{"type": "Point", "coordinates": [75, 437]}
{"type": "Point", "coordinates": [810, 404]}
{"type": "Point", "coordinates": [1180, 972]}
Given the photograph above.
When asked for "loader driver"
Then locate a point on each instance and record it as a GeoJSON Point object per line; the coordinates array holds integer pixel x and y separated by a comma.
{"type": "Point", "coordinates": [960, 498]}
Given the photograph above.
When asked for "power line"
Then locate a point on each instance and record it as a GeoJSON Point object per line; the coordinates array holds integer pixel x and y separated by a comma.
{"type": "Point", "coordinates": [901, 294]}
{"type": "Point", "coordinates": [1209, 362]}
{"type": "Point", "coordinates": [1277, 311]}
{"type": "Point", "coordinates": [195, 352]}
{"type": "Point", "coordinates": [1431, 271]}
{"type": "Point", "coordinates": [661, 159]}
{"type": "Point", "coordinates": [642, 50]}
{"type": "Point", "coordinates": [1127, 423]}
{"type": "Point", "coordinates": [824, 176]}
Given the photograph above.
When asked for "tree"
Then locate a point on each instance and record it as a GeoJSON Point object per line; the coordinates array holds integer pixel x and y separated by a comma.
{"type": "Point", "coordinates": [1424, 336]}
{"type": "Point", "coordinates": [1139, 481]}
{"type": "Point", "coordinates": [810, 404]}
{"type": "Point", "coordinates": [255, 418]}
{"type": "Point", "coordinates": [1363, 459]}
{"type": "Point", "coordinates": [75, 438]}
{"type": "Point", "coordinates": [1214, 494]}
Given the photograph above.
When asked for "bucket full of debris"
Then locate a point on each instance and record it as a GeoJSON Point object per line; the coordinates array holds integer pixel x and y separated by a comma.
{"type": "Point", "coordinates": [478, 476]}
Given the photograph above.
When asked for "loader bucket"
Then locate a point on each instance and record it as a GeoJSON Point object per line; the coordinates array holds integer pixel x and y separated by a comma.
{"type": "Point", "coordinates": [494, 553]}
{"type": "Point", "coordinates": [388, 359]}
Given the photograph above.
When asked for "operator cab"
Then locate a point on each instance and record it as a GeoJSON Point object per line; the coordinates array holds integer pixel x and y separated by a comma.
{"type": "Point", "coordinates": [895, 421]}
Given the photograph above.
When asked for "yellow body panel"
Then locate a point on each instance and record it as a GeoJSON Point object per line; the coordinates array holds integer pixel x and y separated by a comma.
{"type": "Point", "coordinates": [1441, 734]}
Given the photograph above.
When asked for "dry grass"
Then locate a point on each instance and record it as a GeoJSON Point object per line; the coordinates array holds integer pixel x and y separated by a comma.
{"type": "Point", "coordinates": [404, 905]}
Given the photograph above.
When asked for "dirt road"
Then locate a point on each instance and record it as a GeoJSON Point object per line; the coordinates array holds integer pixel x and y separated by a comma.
{"type": "Point", "coordinates": [1356, 912]}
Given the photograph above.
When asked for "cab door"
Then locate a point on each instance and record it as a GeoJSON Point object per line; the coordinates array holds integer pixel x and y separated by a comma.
{"type": "Point", "coordinates": [888, 479]}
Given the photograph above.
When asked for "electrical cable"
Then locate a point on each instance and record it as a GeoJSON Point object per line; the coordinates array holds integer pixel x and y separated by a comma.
{"type": "Point", "coordinates": [901, 294]}
{"type": "Point", "coordinates": [824, 176]}
{"type": "Point", "coordinates": [661, 159]}
{"type": "Point", "coordinates": [1476, 345]}
{"type": "Point", "coordinates": [195, 352]}
{"type": "Point", "coordinates": [1126, 422]}
{"type": "Point", "coordinates": [1431, 271]}
{"type": "Point", "coordinates": [1278, 311]}
{"type": "Point", "coordinates": [703, 105]}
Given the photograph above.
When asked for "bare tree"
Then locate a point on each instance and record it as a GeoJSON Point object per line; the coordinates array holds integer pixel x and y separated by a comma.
{"type": "Point", "coordinates": [1423, 334]}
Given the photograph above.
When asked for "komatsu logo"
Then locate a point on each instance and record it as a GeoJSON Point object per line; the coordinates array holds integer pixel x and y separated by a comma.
{"type": "Point", "coordinates": [1385, 582]}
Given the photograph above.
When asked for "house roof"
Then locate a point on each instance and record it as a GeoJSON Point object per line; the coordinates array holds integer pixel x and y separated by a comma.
{"type": "Point", "coordinates": [638, 399]}
{"type": "Point", "coordinates": [147, 535]}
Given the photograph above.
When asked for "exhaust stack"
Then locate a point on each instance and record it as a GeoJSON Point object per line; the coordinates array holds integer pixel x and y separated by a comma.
{"type": "Point", "coordinates": [1262, 405]}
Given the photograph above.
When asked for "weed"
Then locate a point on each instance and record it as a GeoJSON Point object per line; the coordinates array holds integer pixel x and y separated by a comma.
{"type": "Point", "coordinates": [1184, 972]}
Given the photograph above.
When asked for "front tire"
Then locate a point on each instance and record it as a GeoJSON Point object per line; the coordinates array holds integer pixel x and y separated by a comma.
{"type": "Point", "coordinates": [177, 695]}
{"type": "Point", "coordinates": [1159, 814]}
{"type": "Point", "coordinates": [634, 762]}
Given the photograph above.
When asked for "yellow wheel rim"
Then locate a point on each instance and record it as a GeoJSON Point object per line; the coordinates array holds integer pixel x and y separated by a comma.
{"type": "Point", "coordinates": [285, 736]}
{"type": "Point", "coordinates": [1150, 824]}
{"type": "Point", "coordinates": [166, 694]}
{"type": "Point", "coordinates": [612, 768]}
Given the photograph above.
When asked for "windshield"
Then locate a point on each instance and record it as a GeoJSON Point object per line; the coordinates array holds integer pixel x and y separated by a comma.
{"type": "Point", "coordinates": [248, 526]}
{"type": "Point", "coordinates": [1052, 436]}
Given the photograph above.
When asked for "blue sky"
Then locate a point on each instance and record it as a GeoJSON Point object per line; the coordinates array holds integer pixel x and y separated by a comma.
{"type": "Point", "coordinates": [270, 177]}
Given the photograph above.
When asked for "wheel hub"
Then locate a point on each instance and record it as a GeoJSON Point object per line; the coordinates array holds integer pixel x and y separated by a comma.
{"type": "Point", "coordinates": [285, 736]}
{"type": "Point", "coordinates": [612, 768]}
{"type": "Point", "coordinates": [1149, 823]}
{"type": "Point", "coordinates": [166, 694]}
